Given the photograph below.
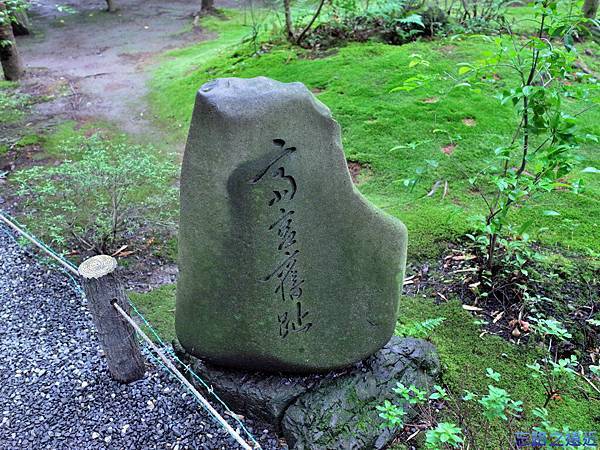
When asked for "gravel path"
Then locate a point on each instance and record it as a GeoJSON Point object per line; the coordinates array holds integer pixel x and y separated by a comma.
{"type": "Point", "coordinates": [55, 392]}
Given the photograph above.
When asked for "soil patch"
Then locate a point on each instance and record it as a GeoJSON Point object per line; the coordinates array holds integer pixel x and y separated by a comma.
{"type": "Point", "coordinates": [358, 171]}
{"type": "Point", "coordinates": [96, 65]}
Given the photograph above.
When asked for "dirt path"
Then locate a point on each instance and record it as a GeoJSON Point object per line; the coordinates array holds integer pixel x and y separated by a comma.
{"type": "Point", "coordinates": [95, 65]}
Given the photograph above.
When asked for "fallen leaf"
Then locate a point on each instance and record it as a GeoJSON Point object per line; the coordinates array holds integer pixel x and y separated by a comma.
{"type": "Point", "coordinates": [120, 250]}
{"type": "Point", "coordinates": [463, 257]}
{"type": "Point", "coordinates": [469, 121]}
{"type": "Point", "coordinates": [498, 317]}
{"type": "Point", "coordinates": [430, 100]}
{"type": "Point", "coordinates": [472, 308]}
{"type": "Point", "coordinates": [448, 149]}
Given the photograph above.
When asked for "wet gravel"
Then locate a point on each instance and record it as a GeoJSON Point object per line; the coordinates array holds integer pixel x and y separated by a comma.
{"type": "Point", "coordinates": [55, 391]}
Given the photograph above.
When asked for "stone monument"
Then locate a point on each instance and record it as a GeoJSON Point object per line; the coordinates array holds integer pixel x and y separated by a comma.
{"type": "Point", "coordinates": [283, 264]}
{"type": "Point", "coordinates": [288, 278]}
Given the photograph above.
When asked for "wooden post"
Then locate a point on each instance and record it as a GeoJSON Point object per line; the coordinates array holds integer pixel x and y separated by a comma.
{"type": "Point", "coordinates": [103, 288]}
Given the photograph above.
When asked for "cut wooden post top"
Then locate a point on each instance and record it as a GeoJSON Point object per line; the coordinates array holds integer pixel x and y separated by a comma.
{"type": "Point", "coordinates": [97, 266]}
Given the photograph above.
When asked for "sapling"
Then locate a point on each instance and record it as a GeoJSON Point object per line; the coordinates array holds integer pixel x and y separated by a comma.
{"type": "Point", "coordinates": [553, 373]}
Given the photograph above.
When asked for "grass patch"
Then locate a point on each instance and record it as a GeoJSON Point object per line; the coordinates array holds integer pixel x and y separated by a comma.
{"type": "Point", "coordinates": [175, 109]}
{"type": "Point", "coordinates": [464, 356]}
{"type": "Point", "coordinates": [30, 139]}
{"type": "Point", "coordinates": [394, 133]}
{"type": "Point", "coordinates": [13, 104]}
{"type": "Point", "coordinates": [158, 307]}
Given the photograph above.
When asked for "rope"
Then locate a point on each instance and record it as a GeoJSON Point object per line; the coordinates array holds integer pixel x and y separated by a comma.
{"type": "Point", "coordinates": [183, 379]}
{"type": "Point", "coordinates": [188, 369]}
{"type": "Point", "coordinates": [63, 262]}
{"type": "Point", "coordinates": [68, 268]}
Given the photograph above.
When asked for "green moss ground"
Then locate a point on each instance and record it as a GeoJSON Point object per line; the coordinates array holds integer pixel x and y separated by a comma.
{"type": "Point", "coordinates": [393, 133]}
{"type": "Point", "coordinates": [158, 307]}
{"type": "Point", "coordinates": [464, 354]}
{"type": "Point", "coordinates": [356, 83]}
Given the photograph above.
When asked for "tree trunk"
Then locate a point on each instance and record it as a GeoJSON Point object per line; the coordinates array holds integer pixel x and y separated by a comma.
{"type": "Point", "coordinates": [12, 65]}
{"type": "Point", "coordinates": [590, 8]}
{"type": "Point", "coordinates": [103, 288]}
{"type": "Point", "coordinates": [207, 7]}
{"type": "Point", "coordinates": [301, 36]}
{"type": "Point", "coordinates": [288, 20]}
{"type": "Point", "coordinates": [21, 24]}
{"type": "Point", "coordinates": [110, 6]}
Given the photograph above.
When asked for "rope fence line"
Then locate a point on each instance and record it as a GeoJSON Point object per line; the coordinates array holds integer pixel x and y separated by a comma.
{"type": "Point", "coordinates": [183, 379]}
{"type": "Point", "coordinates": [167, 364]}
{"type": "Point", "coordinates": [40, 245]}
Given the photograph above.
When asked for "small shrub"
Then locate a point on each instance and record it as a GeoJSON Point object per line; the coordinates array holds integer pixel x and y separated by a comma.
{"type": "Point", "coordinates": [444, 434]}
{"type": "Point", "coordinates": [112, 189]}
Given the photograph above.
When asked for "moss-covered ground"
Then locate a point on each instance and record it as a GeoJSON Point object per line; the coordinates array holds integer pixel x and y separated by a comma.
{"type": "Point", "coordinates": [393, 133]}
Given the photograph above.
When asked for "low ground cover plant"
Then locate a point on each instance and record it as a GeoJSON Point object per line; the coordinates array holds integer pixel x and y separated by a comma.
{"type": "Point", "coordinates": [106, 190]}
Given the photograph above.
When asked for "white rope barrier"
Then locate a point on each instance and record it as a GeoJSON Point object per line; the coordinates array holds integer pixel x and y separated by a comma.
{"type": "Point", "coordinates": [183, 379]}
{"type": "Point", "coordinates": [137, 328]}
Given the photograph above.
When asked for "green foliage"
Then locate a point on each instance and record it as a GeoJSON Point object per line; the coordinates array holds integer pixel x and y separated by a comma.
{"type": "Point", "coordinates": [412, 394]}
{"type": "Point", "coordinates": [439, 393]}
{"type": "Point", "coordinates": [419, 329]}
{"type": "Point", "coordinates": [12, 7]}
{"type": "Point", "coordinates": [444, 434]}
{"type": "Point", "coordinates": [12, 103]}
{"type": "Point", "coordinates": [497, 404]}
{"type": "Point", "coordinates": [551, 328]}
{"type": "Point", "coordinates": [554, 374]}
{"type": "Point", "coordinates": [466, 357]}
{"type": "Point", "coordinates": [64, 8]}
{"type": "Point", "coordinates": [29, 139]}
{"type": "Point", "coordinates": [113, 189]}
{"type": "Point", "coordinates": [355, 83]}
{"type": "Point", "coordinates": [392, 415]}
{"type": "Point", "coordinates": [392, 22]}
{"type": "Point", "coordinates": [540, 153]}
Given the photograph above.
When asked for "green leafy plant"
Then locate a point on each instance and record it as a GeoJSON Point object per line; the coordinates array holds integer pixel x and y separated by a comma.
{"type": "Point", "coordinates": [419, 329]}
{"type": "Point", "coordinates": [497, 404]}
{"type": "Point", "coordinates": [393, 415]}
{"type": "Point", "coordinates": [444, 434]}
{"type": "Point", "coordinates": [555, 374]}
{"type": "Point", "coordinates": [541, 151]}
{"type": "Point", "coordinates": [12, 8]}
{"type": "Point", "coordinates": [112, 188]}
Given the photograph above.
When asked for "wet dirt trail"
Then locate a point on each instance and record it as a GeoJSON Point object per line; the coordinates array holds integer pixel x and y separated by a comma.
{"type": "Point", "coordinates": [93, 65]}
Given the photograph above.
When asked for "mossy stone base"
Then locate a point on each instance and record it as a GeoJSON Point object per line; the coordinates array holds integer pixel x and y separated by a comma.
{"type": "Point", "coordinates": [336, 410]}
